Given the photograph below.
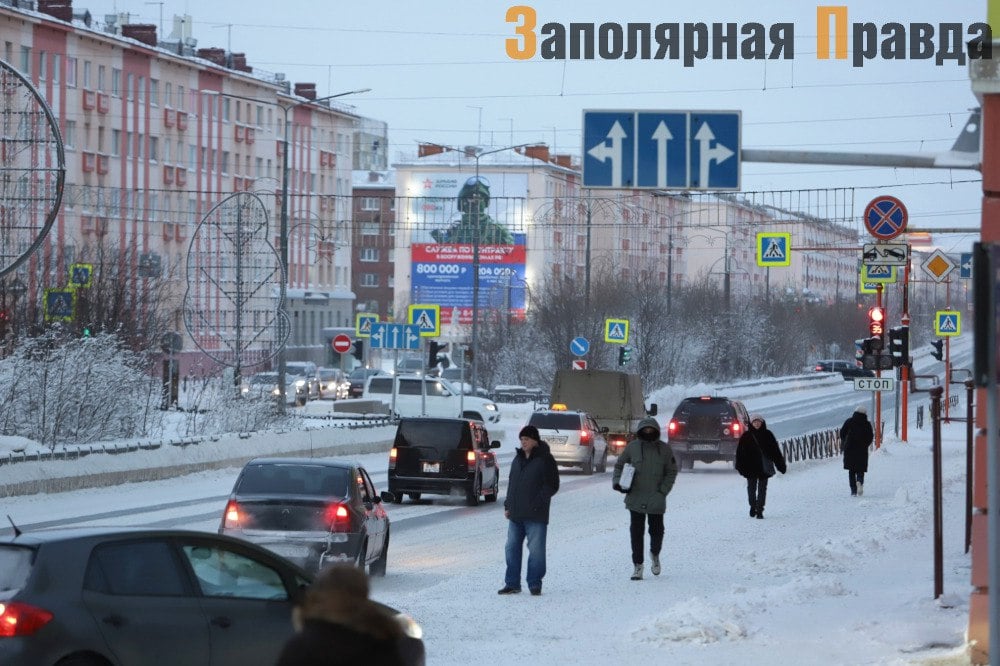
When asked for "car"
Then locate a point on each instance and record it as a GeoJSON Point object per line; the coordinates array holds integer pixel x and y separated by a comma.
{"type": "Point", "coordinates": [307, 375]}
{"type": "Point", "coordinates": [707, 429]}
{"type": "Point", "coordinates": [357, 379]}
{"type": "Point", "coordinates": [415, 365]}
{"type": "Point", "coordinates": [443, 456]}
{"type": "Point", "coordinates": [265, 385]}
{"type": "Point", "coordinates": [848, 369]}
{"type": "Point", "coordinates": [95, 596]}
{"type": "Point", "coordinates": [312, 511]}
{"type": "Point", "coordinates": [333, 383]}
{"type": "Point", "coordinates": [574, 438]}
{"type": "Point", "coordinates": [410, 395]}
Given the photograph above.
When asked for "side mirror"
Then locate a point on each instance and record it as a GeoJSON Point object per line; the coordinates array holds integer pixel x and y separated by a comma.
{"type": "Point", "coordinates": [386, 496]}
{"type": "Point", "coordinates": [605, 430]}
{"type": "Point", "coordinates": [495, 444]}
{"type": "Point", "coordinates": [652, 409]}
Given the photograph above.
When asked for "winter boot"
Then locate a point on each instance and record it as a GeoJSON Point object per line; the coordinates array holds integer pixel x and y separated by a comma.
{"type": "Point", "coordinates": [861, 489]}
{"type": "Point", "coordinates": [655, 567]}
{"type": "Point", "coordinates": [637, 573]}
{"type": "Point", "coordinates": [760, 511]}
{"type": "Point", "coordinates": [753, 512]}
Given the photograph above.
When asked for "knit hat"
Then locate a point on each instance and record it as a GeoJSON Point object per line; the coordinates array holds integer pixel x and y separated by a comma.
{"type": "Point", "coordinates": [530, 431]}
{"type": "Point", "coordinates": [861, 409]}
{"type": "Point", "coordinates": [756, 417]}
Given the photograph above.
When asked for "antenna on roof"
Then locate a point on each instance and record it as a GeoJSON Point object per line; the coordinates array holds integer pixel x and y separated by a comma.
{"type": "Point", "coordinates": [17, 530]}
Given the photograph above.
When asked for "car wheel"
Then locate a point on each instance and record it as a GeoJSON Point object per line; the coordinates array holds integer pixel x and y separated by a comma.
{"type": "Point", "coordinates": [415, 497]}
{"type": "Point", "coordinates": [359, 560]}
{"type": "Point", "coordinates": [602, 466]}
{"type": "Point", "coordinates": [397, 497]}
{"type": "Point", "coordinates": [472, 493]}
{"type": "Point", "coordinates": [377, 567]}
{"type": "Point", "coordinates": [81, 660]}
{"type": "Point", "coordinates": [588, 467]}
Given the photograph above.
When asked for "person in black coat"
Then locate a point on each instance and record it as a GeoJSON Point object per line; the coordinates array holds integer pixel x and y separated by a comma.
{"type": "Point", "coordinates": [757, 457]}
{"type": "Point", "coordinates": [337, 625]}
{"type": "Point", "coordinates": [534, 479]}
{"type": "Point", "coordinates": [856, 435]}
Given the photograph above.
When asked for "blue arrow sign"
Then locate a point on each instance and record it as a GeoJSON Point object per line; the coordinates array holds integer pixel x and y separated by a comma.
{"type": "Point", "coordinates": [386, 335]}
{"type": "Point", "coordinates": [579, 346]}
{"type": "Point", "coordinates": [690, 150]}
{"type": "Point", "coordinates": [965, 266]}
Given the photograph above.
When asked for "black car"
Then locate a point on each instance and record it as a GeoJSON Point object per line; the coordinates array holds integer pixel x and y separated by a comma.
{"type": "Point", "coordinates": [707, 429]}
{"type": "Point", "coordinates": [443, 457]}
{"type": "Point", "coordinates": [847, 369]}
{"type": "Point", "coordinates": [100, 596]}
{"type": "Point", "coordinates": [358, 377]}
{"type": "Point", "coordinates": [312, 511]}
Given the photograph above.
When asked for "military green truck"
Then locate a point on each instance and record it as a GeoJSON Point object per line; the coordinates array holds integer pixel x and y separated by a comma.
{"type": "Point", "coordinates": [613, 398]}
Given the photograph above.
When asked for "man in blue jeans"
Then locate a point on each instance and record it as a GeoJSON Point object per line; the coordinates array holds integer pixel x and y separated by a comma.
{"type": "Point", "coordinates": [534, 479]}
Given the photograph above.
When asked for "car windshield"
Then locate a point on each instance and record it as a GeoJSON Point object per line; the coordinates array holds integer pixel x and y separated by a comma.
{"type": "Point", "coordinates": [718, 408]}
{"type": "Point", "coordinates": [282, 479]}
{"type": "Point", "coordinates": [361, 373]}
{"type": "Point", "coordinates": [264, 379]}
{"type": "Point", "coordinates": [441, 436]}
{"type": "Point", "coordinates": [328, 374]}
{"type": "Point", "coordinates": [555, 421]}
{"type": "Point", "coordinates": [299, 370]}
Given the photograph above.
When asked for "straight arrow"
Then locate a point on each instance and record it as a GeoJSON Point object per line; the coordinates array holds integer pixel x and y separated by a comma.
{"type": "Point", "coordinates": [662, 136]}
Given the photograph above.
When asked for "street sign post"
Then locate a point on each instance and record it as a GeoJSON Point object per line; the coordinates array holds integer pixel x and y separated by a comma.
{"type": "Point", "coordinates": [688, 150]}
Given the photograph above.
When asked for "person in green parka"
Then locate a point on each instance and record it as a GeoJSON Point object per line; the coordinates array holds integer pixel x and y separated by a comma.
{"type": "Point", "coordinates": [646, 498]}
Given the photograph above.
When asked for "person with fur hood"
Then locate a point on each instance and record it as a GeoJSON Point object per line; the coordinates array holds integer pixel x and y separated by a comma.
{"type": "Point", "coordinates": [336, 624]}
{"type": "Point", "coordinates": [757, 457]}
{"type": "Point", "coordinates": [646, 498]}
{"type": "Point", "coordinates": [856, 435]}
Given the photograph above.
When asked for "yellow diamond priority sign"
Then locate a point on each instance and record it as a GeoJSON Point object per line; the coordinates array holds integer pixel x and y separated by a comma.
{"type": "Point", "coordinates": [938, 265]}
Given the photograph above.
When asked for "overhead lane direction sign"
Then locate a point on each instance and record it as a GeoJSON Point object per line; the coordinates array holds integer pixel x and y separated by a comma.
{"type": "Point", "coordinates": [385, 335]}
{"type": "Point", "coordinates": [689, 150]}
{"type": "Point", "coordinates": [885, 217]}
{"type": "Point", "coordinates": [884, 254]}
{"type": "Point", "coordinates": [965, 266]}
{"type": "Point", "coordinates": [774, 249]}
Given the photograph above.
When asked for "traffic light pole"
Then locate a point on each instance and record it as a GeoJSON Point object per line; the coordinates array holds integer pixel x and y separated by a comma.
{"type": "Point", "coordinates": [878, 373]}
{"type": "Point", "coordinates": [904, 369]}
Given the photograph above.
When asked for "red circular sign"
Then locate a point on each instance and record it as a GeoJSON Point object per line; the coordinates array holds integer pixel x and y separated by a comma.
{"type": "Point", "coordinates": [341, 343]}
{"type": "Point", "coordinates": [885, 217]}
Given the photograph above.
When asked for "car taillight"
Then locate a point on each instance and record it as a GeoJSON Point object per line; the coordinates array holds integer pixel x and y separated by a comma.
{"type": "Point", "coordinates": [393, 454]}
{"type": "Point", "coordinates": [231, 517]}
{"type": "Point", "coordinates": [736, 428]}
{"type": "Point", "coordinates": [338, 518]}
{"type": "Point", "coordinates": [470, 460]}
{"type": "Point", "coordinates": [18, 619]}
{"type": "Point", "coordinates": [584, 438]}
{"type": "Point", "coordinates": [672, 426]}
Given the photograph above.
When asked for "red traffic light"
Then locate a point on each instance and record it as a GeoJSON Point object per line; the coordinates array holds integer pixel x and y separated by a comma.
{"type": "Point", "coordinates": [876, 314]}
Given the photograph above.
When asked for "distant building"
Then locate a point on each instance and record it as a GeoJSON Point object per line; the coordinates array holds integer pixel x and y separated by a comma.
{"type": "Point", "coordinates": [373, 233]}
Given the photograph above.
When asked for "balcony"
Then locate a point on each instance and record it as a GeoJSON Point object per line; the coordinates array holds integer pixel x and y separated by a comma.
{"type": "Point", "coordinates": [169, 117]}
{"type": "Point", "coordinates": [180, 232]}
{"type": "Point", "coordinates": [89, 161]}
{"type": "Point", "coordinates": [103, 164]}
{"type": "Point", "coordinates": [251, 134]}
{"type": "Point", "coordinates": [238, 133]}
{"type": "Point", "coordinates": [103, 102]}
{"type": "Point", "coordinates": [182, 120]}
{"type": "Point", "coordinates": [168, 231]}
{"type": "Point", "coordinates": [180, 175]}
{"type": "Point", "coordinates": [168, 174]}
{"type": "Point", "coordinates": [89, 100]}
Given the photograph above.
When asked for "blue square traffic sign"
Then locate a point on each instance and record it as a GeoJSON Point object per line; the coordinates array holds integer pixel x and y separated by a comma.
{"type": "Point", "coordinates": [689, 150]}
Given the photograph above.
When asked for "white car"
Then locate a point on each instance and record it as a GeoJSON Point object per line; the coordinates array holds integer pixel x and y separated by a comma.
{"type": "Point", "coordinates": [438, 397]}
{"type": "Point", "coordinates": [574, 438]}
{"type": "Point", "coordinates": [265, 385]}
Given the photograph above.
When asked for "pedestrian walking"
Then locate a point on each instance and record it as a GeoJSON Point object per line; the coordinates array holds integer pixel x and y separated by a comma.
{"type": "Point", "coordinates": [646, 497]}
{"type": "Point", "coordinates": [337, 625]}
{"type": "Point", "coordinates": [757, 457]}
{"type": "Point", "coordinates": [533, 480]}
{"type": "Point", "coordinates": [856, 435]}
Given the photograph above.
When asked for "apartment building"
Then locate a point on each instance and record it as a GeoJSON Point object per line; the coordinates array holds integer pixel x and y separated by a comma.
{"type": "Point", "coordinates": [158, 134]}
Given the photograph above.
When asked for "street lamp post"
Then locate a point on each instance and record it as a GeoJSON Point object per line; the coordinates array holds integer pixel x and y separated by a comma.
{"type": "Point", "coordinates": [283, 237]}
{"type": "Point", "coordinates": [475, 153]}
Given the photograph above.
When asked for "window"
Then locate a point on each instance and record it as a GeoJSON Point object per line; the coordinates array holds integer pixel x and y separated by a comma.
{"type": "Point", "coordinates": [43, 61]}
{"type": "Point", "coordinates": [127, 148]}
{"type": "Point", "coordinates": [368, 254]}
{"type": "Point", "coordinates": [166, 151]}
{"type": "Point", "coordinates": [154, 92]}
{"type": "Point", "coordinates": [168, 91]}
{"type": "Point", "coordinates": [71, 65]}
{"type": "Point", "coordinates": [129, 86]}
{"type": "Point", "coordinates": [225, 161]}
{"type": "Point", "coordinates": [70, 135]}
{"type": "Point", "coordinates": [369, 279]}
{"type": "Point", "coordinates": [86, 74]}
{"type": "Point", "coordinates": [116, 81]}
{"type": "Point", "coordinates": [225, 109]}
{"type": "Point", "coordinates": [224, 573]}
{"type": "Point", "coordinates": [369, 203]}
{"type": "Point", "coordinates": [260, 115]}
{"type": "Point", "coordinates": [139, 568]}
{"type": "Point", "coordinates": [100, 77]}
{"type": "Point", "coordinates": [140, 93]}
{"type": "Point", "coordinates": [116, 142]}
{"type": "Point", "coordinates": [26, 60]}
{"type": "Point", "coordinates": [56, 67]}
{"type": "Point", "coordinates": [369, 229]}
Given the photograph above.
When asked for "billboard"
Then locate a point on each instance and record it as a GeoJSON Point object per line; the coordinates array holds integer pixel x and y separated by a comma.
{"type": "Point", "coordinates": [449, 215]}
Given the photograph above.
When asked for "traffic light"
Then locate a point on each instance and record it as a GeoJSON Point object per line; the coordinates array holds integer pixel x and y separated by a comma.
{"type": "Point", "coordinates": [358, 350]}
{"type": "Point", "coordinates": [938, 352]}
{"type": "Point", "coordinates": [624, 354]}
{"type": "Point", "coordinates": [86, 331]}
{"type": "Point", "coordinates": [876, 321]}
{"type": "Point", "coordinates": [433, 349]}
{"type": "Point", "coordinates": [899, 345]}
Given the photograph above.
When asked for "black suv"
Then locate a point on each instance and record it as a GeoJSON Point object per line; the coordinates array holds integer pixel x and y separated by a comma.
{"type": "Point", "coordinates": [358, 377]}
{"type": "Point", "coordinates": [706, 428]}
{"type": "Point", "coordinates": [442, 457]}
{"type": "Point", "coordinates": [847, 369]}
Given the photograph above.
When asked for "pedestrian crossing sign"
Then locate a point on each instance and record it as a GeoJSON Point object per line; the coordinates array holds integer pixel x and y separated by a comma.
{"type": "Point", "coordinates": [363, 324]}
{"type": "Point", "coordinates": [616, 331]}
{"type": "Point", "coordinates": [427, 318]}
{"type": "Point", "coordinates": [878, 274]}
{"type": "Point", "coordinates": [774, 249]}
{"type": "Point", "coordinates": [948, 323]}
{"type": "Point", "coordinates": [60, 304]}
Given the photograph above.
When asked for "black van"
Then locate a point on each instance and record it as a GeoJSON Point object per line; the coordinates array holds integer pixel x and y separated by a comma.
{"type": "Point", "coordinates": [443, 457]}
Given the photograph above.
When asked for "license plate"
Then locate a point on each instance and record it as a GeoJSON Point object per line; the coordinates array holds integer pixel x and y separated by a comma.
{"type": "Point", "coordinates": [432, 468]}
{"type": "Point", "coordinates": [704, 447]}
{"type": "Point", "coordinates": [295, 552]}
{"type": "Point", "coordinates": [556, 440]}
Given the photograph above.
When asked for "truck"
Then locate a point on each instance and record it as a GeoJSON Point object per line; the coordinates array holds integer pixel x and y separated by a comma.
{"type": "Point", "coordinates": [615, 400]}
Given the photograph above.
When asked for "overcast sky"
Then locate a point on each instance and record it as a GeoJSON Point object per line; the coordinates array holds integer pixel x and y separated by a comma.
{"type": "Point", "coordinates": [439, 72]}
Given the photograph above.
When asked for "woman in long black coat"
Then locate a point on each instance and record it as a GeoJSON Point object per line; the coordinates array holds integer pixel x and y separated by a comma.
{"type": "Point", "coordinates": [757, 456]}
{"type": "Point", "coordinates": [856, 435]}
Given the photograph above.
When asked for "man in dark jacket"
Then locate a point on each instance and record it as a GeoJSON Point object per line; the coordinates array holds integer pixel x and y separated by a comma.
{"type": "Point", "coordinates": [856, 435]}
{"type": "Point", "coordinates": [757, 456]}
{"type": "Point", "coordinates": [646, 499]}
{"type": "Point", "coordinates": [534, 479]}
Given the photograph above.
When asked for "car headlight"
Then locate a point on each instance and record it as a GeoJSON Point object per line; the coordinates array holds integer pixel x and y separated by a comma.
{"type": "Point", "coordinates": [491, 407]}
{"type": "Point", "coordinates": [299, 383]}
